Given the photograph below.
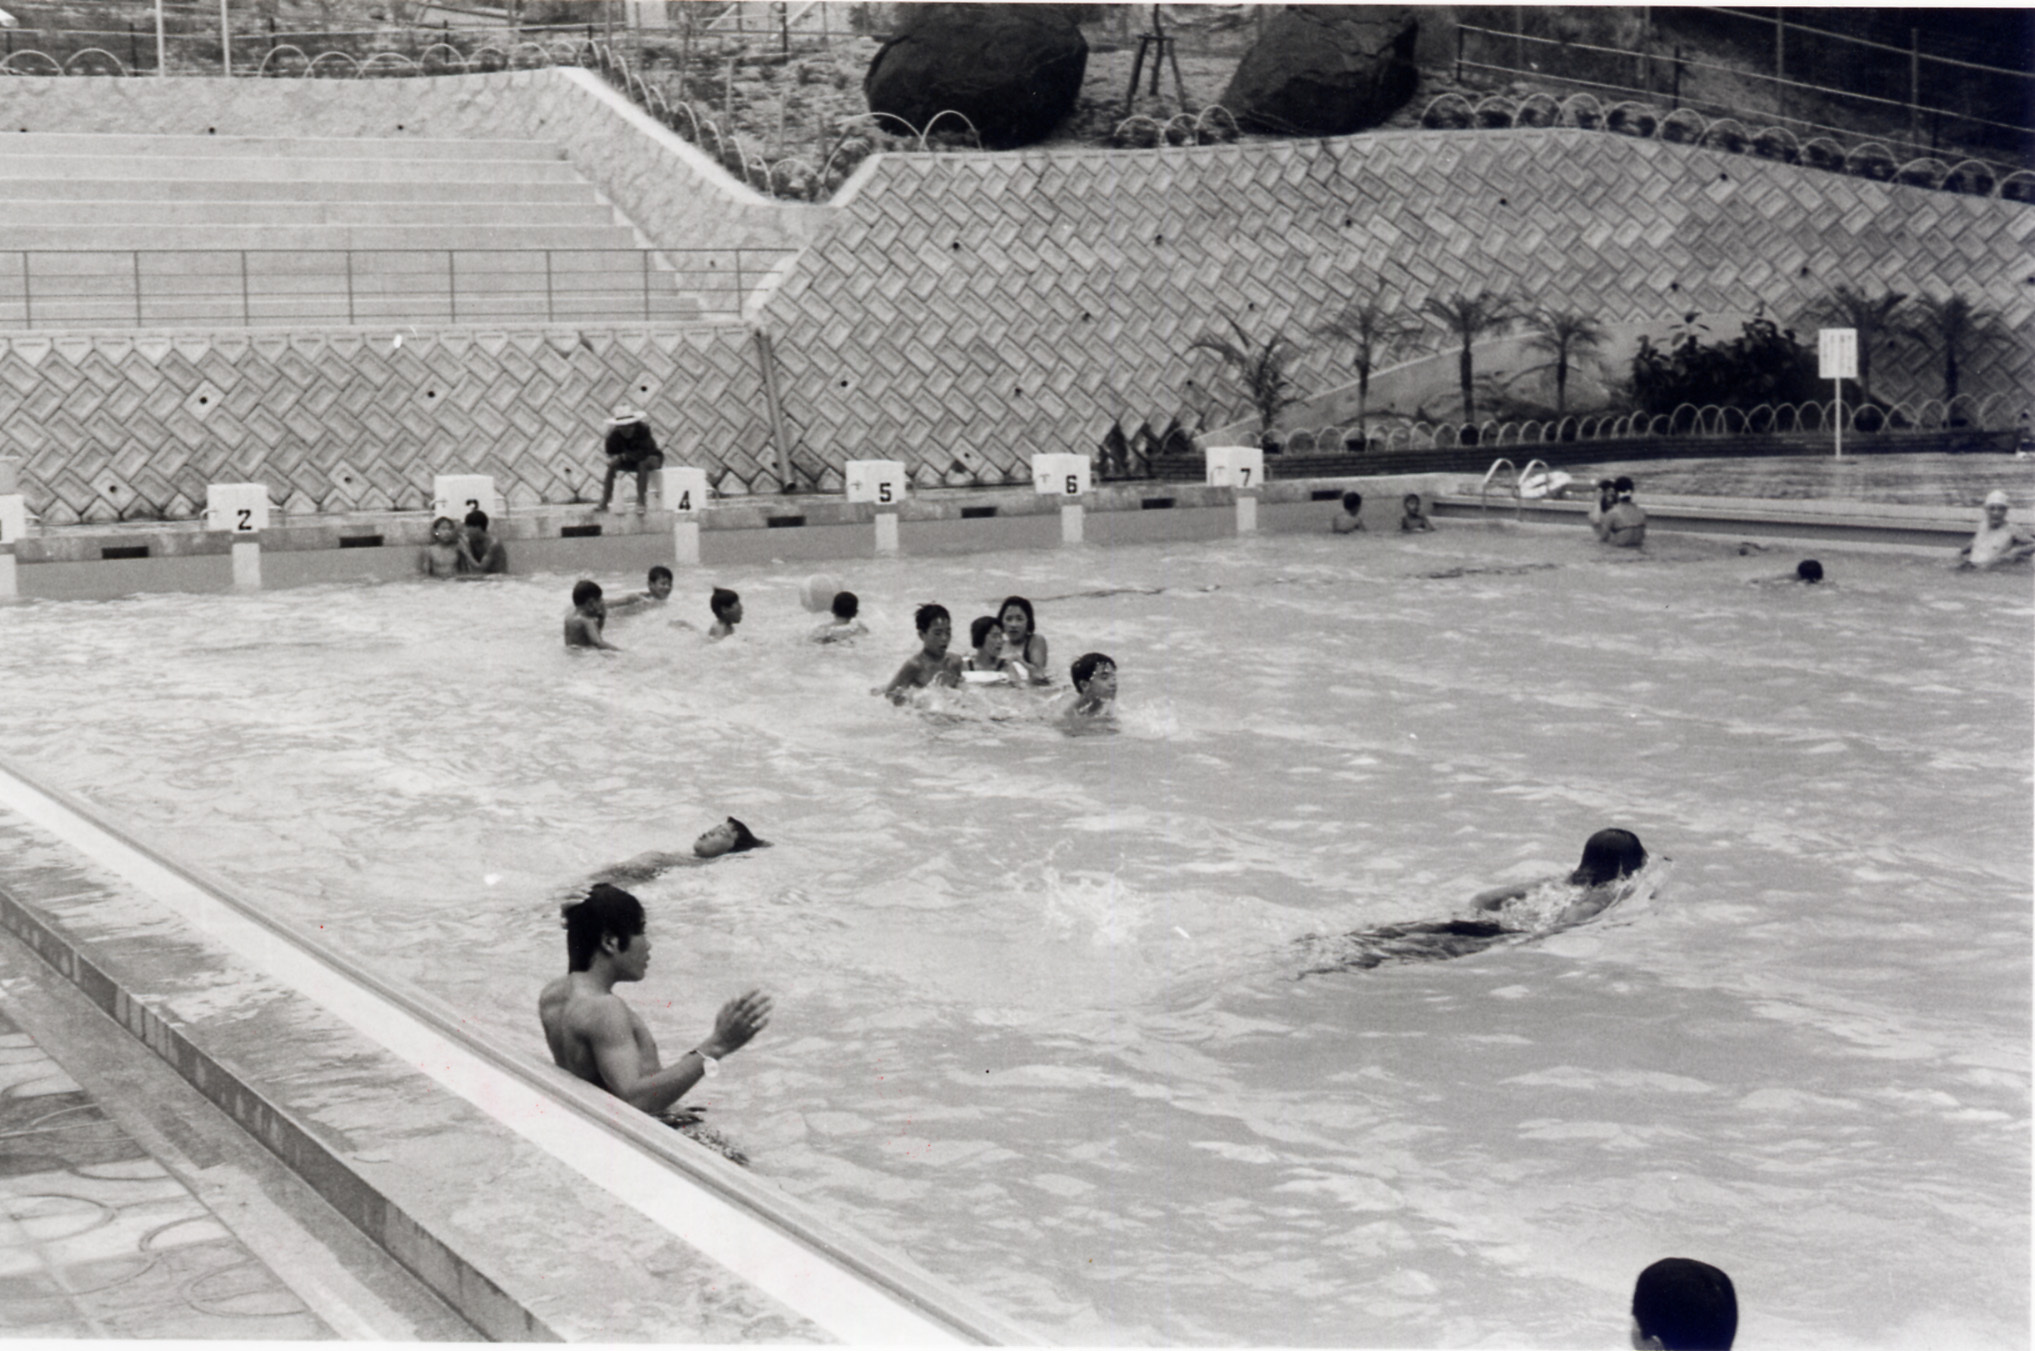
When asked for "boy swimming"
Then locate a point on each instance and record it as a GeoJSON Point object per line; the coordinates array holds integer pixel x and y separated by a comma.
{"type": "Point", "coordinates": [844, 625]}
{"type": "Point", "coordinates": [934, 664]}
{"type": "Point", "coordinates": [589, 616]}
{"type": "Point", "coordinates": [727, 608]}
{"type": "Point", "coordinates": [1350, 519]}
{"type": "Point", "coordinates": [1412, 519]}
{"type": "Point", "coordinates": [658, 592]}
{"type": "Point", "coordinates": [1094, 676]}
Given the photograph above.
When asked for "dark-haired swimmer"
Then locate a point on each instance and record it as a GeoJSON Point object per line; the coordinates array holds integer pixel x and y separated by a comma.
{"type": "Point", "coordinates": [934, 664]}
{"type": "Point", "coordinates": [1808, 572]}
{"type": "Point", "coordinates": [1021, 640]}
{"type": "Point", "coordinates": [443, 556]}
{"type": "Point", "coordinates": [1351, 517]}
{"type": "Point", "coordinates": [589, 616]}
{"type": "Point", "coordinates": [657, 592]}
{"type": "Point", "coordinates": [1412, 519]}
{"type": "Point", "coordinates": [480, 552]}
{"type": "Point", "coordinates": [986, 664]}
{"type": "Point", "coordinates": [1609, 857]}
{"type": "Point", "coordinates": [1094, 677]}
{"type": "Point", "coordinates": [594, 1036]}
{"type": "Point", "coordinates": [844, 625]}
{"type": "Point", "coordinates": [729, 837]}
{"type": "Point", "coordinates": [727, 608]}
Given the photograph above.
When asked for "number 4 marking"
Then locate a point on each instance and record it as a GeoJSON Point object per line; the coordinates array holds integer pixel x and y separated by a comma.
{"type": "Point", "coordinates": [685, 500]}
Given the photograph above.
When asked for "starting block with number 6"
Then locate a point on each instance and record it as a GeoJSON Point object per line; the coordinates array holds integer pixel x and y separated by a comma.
{"type": "Point", "coordinates": [454, 495]}
{"type": "Point", "coordinates": [1060, 475]}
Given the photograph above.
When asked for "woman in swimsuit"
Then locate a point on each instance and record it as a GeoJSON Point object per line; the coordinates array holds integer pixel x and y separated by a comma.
{"type": "Point", "coordinates": [1522, 910]}
{"type": "Point", "coordinates": [1022, 643]}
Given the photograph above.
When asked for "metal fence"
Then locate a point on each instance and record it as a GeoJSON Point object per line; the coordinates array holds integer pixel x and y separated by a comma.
{"type": "Point", "coordinates": [255, 288]}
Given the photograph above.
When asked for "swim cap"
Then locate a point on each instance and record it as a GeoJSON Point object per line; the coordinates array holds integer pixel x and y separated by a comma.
{"type": "Point", "coordinates": [1998, 498]}
{"type": "Point", "coordinates": [816, 592]}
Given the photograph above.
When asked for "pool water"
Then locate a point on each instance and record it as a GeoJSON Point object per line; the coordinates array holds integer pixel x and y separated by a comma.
{"type": "Point", "coordinates": [1043, 1023]}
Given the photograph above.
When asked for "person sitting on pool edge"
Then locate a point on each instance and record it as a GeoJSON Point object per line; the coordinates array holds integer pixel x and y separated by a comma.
{"type": "Point", "coordinates": [1022, 642]}
{"type": "Point", "coordinates": [595, 1036]}
{"type": "Point", "coordinates": [727, 608]}
{"type": "Point", "coordinates": [1412, 519]}
{"type": "Point", "coordinates": [844, 625]}
{"type": "Point", "coordinates": [1680, 1304]}
{"type": "Point", "coordinates": [1995, 542]}
{"type": "Point", "coordinates": [444, 556]}
{"type": "Point", "coordinates": [1350, 519]}
{"type": "Point", "coordinates": [589, 616]}
{"type": "Point", "coordinates": [934, 664]}
{"type": "Point", "coordinates": [657, 592]}
{"type": "Point", "coordinates": [482, 553]}
{"type": "Point", "coordinates": [1094, 677]}
{"type": "Point", "coordinates": [630, 449]}
{"type": "Point", "coordinates": [1623, 524]}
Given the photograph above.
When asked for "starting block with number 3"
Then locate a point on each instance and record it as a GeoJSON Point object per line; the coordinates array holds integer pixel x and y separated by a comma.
{"type": "Point", "coordinates": [454, 495]}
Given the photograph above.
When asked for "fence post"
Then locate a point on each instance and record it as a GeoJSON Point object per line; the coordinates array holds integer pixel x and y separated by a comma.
{"type": "Point", "coordinates": [349, 286]}
{"type": "Point", "coordinates": [550, 310]}
{"type": "Point", "coordinates": [646, 285]}
{"type": "Point", "coordinates": [1459, 53]}
{"type": "Point", "coordinates": [162, 65]}
{"type": "Point", "coordinates": [1780, 66]}
{"type": "Point", "coordinates": [1675, 92]}
{"type": "Point", "coordinates": [768, 361]}
{"type": "Point", "coordinates": [225, 41]}
{"type": "Point", "coordinates": [136, 256]}
{"type": "Point", "coordinates": [246, 310]}
{"type": "Point", "coordinates": [741, 290]}
{"type": "Point", "coordinates": [27, 300]}
{"type": "Point", "coordinates": [451, 286]}
{"type": "Point", "coordinates": [1914, 87]}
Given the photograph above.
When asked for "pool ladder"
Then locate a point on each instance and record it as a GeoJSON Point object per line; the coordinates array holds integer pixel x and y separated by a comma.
{"type": "Point", "coordinates": [1518, 478]}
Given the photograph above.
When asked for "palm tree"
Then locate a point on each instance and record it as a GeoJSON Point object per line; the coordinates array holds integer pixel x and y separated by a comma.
{"type": "Point", "coordinates": [1378, 334]}
{"type": "Point", "coordinates": [1565, 336]}
{"type": "Point", "coordinates": [1955, 328]}
{"type": "Point", "coordinates": [1874, 316]}
{"type": "Point", "coordinates": [1260, 368]}
{"type": "Point", "coordinates": [1470, 318]}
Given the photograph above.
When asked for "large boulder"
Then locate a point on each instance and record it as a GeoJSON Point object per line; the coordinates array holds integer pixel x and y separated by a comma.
{"type": "Point", "coordinates": [1327, 70]}
{"type": "Point", "coordinates": [1012, 70]}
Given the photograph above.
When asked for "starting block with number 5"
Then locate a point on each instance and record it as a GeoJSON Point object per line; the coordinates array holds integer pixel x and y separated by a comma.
{"type": "Point", "coordinates": [1060, 475]}
{"type": "Point", "coordinates": [879, 481]}
{"type": "Point", "coordinates": [1236, 467]}
{"type": "Point", "coordinates": [454, 495]}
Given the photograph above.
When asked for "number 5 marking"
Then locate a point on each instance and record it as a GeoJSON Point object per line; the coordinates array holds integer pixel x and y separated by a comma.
{"type": "Point", "coordinates": [883, 492]}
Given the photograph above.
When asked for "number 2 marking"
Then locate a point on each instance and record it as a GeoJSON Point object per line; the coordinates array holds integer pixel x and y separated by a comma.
{"type": "Point", "coordinates": [245, 522]}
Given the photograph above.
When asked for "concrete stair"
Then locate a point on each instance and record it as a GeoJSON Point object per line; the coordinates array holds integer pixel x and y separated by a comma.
{"type": "Point", "coordinates": [104, 231]}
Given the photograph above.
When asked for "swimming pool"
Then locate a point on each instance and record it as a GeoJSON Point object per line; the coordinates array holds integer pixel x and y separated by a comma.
{"type": "Point", "coordinates": [1041, 1023]}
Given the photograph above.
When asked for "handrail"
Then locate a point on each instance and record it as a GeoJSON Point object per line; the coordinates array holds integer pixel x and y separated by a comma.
{"type": "Point", "coordinates": [1484, 488]}
{"type": "Point", "coordinates": [86, 287]}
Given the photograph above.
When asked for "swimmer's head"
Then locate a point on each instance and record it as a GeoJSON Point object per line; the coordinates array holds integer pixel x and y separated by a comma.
{"type": "Point", "coordinates": [1353, 502]}
{"type": "Point", "coordinates": [1997, 503]}
{"type": "Point", "coordinates": [585, 594]}
{"type": "Point", "coordinates": [729, 837]}
{"type": "Point", "coordinates": [477, 520]}
{"type": "Point", "coordinates": [1622, 484]}
{"type": "Point", "coordinates": [1091, 667]}
{"type": "Point", "coordinates": [726, 605]}
{"type": "Point", "coordinates": [846, 606]}
{"type": "Point", "coordinates": [1607, 856]}
{"type": "Point", "coordinates": [1679, 1302]}
{"type": "Point", "coordinates": [929, 614]}
{"type": "Point", "coordinates": [659, 581]}
{"type": "Point", "coordinates": [444, 530]}
{"type": "Point", "coordinates": [1412, 503]}
{"type": "Point", "coordinates": [981, 627]}
{"type": "Point", "coordinates": [607, 912]}
{"type": "Point", "coordinates": [1809, 570]}
{"type": "Point", "coordinates": [1019, 623]}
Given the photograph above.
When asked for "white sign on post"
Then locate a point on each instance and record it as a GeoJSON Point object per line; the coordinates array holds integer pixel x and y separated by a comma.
{"type": "Point", "coordinates": [878, 481]}
{"type": "Point", "coordinates": [1060, 475]}
{"type": "Point", "coordinates": [237, 508]}
{"type": "Point", "coordinates": [1837, 361]}
{"type": "Point", "coordinates": [1236, 466]}
{"type": "Point", "coordinates": [680, 488]}
{"type": "Point", "coordinates": [454, 495]}
{"type": "Point", "coordinates": [13, 518]}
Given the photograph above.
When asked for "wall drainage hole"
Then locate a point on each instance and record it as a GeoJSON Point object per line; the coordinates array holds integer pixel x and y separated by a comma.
{"type": "Point", "coordinates": [976, 513]}
{"type": "Point", "coordinates": [124, 551]}
{"type": "Point", "coordinates": [360, 541]}
{"type": "Point", "coordinates": [1156, 504]}
{"type": "Point", "coordinates": [579, 531]}
{"type": "Point", "coordinates": [781, 522]}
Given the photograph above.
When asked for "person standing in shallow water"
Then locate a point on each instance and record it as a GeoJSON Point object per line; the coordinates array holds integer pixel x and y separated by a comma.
{"type": "Point", "coordinates": [1022, 643]}
{"type": "Point", "coordinates": [1500, 914]}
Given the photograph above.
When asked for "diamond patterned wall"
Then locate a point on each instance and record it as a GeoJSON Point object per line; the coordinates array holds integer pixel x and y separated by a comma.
{"type": "Point", "coordinates": [114, 427]}
{"type": "Point", "coordinates": [1002, 305]}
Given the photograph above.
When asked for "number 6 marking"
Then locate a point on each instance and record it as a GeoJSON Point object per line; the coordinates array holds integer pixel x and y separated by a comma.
{"type": "Point", "coordinates": [1073, 485]}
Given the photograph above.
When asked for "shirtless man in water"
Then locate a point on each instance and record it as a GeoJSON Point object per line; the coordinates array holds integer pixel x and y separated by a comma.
{"type": "Point", "coordinates": [600, 1039]}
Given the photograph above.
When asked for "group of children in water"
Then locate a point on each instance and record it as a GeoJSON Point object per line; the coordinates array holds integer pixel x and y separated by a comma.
{"type": "Point", "coordinates": [1005, 648]}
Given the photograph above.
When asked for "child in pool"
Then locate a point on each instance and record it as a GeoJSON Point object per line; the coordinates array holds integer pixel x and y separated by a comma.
{"type": "Point", "coordinates": [986, 664]}
{"type": "Point", "coordinates": [844, 625]}
{"type": "Point", "coordinates": [658, 591]}
{"type": "Point", "coordinates": [443, 556]}
{"type": "Point", "coordinates": [1094, 677]}
{"type": "Point", "coordinates": [1350, 519]}
{"type": "Point", "coordinates": [934, 664]}
{"type": "Point", "coordinates": [1413, 520]}
{"type": "Point", "coordinates": [1609, 856]}
{"type": "Point", "coordinates": [1021, 641]}
{"type": "Point", "coordinates": [727, 608]}
{"type": "Point", "coordinates": [589, 616]}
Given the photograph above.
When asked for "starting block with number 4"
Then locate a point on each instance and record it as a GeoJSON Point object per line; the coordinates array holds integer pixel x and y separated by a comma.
{"type": "Point", "coordinates": [680, 488]}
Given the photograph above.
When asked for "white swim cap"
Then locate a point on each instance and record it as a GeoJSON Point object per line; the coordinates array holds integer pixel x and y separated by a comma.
{"type": "Point", "coordinates": [1998, 498]}
{"type": "Point", "coordinates": [816, 593]}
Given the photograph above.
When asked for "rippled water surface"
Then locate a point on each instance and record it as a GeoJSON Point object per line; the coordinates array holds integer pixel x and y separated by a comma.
{"type": "Point", "coordinates": [1041, 1017]}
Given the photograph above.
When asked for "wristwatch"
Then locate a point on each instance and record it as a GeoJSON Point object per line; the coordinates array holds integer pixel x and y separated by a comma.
{"type": "Point", "coordinates": [709, 1066]}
